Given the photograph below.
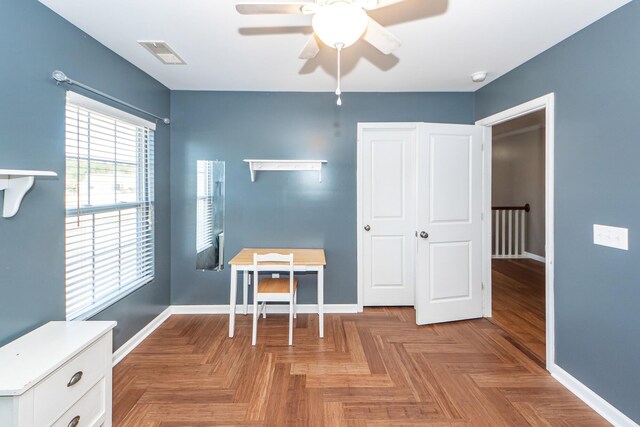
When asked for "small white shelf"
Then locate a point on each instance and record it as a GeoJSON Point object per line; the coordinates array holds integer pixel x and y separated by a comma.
{"type": "Point", "coordinates": [16, 183]}
{"type": "Point", "coordinates": [284, 165]}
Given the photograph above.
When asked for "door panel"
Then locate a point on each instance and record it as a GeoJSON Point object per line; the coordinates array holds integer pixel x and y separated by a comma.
{"type": "Point", "coordinates": [449, 208]}
{"type": "Point", "coordinates": [388, 270]}
{"type": "Point", "coordinates": [387, 174]}
{"type": "Point", "coordinates": [450, 178]}
{"type": "Point", "coordinates": [449, 264]}
{"type": "Point", "coordinates": [388, 171]}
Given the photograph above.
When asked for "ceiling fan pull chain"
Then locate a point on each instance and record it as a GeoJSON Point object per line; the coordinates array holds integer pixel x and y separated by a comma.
{"type": "Point", "coordinates": [339, 90]}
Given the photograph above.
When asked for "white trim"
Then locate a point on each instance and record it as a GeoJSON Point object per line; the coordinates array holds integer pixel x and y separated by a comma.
{"type": "Point", "coordinates": [487, 255]}
{"type": "Point", "coordinates": [275, 308]}
{"type": "Point", "coordinates": [533, 256]}
{"type": "Point", "coordinates": [135, 340]}
{"type": "Point", "coordinates": [107, 110]}
{"type": "Point", "coordinates": [588, 396]}
{"type": "Point", "coordinates": [204, 309]}
{"type": "Point", "coordinates": [546, 102]}
{"type": "Point", "coordinates": [359, 222]}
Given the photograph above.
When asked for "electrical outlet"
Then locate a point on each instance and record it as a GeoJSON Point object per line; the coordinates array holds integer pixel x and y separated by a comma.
{"type": "Point", "coordinates": [613, 237]}
{"type": "Point", "coordinates": [275, 275]}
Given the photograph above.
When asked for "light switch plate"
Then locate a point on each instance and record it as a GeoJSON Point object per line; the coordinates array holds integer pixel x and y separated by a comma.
{"type": "Point", "coordinates": [613, 237]}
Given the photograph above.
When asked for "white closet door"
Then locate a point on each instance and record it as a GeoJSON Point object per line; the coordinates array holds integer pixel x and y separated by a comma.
{"type": "Point", "coordinates": [449, 208]}
{"type": "Point", "coordinates": [388, 162]}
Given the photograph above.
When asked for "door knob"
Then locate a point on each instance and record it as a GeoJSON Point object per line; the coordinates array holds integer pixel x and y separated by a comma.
{"type": "Point", "coordinates": [367, 228]}
{"type": "Point", "coordinates": [424, 234]}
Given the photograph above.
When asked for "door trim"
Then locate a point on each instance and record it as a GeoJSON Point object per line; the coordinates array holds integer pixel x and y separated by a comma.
{"type": "Point", "coordinates": [546, 102]}
{"type": "Point", "coordinates": [360, 196]}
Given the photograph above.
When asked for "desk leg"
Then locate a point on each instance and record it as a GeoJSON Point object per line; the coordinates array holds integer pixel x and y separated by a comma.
{"type": "Point", "coordinates": [232, 300]}
{"type": "Point", "coordinates": [321, 301]}
{"type": "Point", "coordinates": [245, 291]}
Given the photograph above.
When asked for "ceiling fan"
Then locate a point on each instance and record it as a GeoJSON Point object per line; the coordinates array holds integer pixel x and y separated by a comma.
{"type": "Point", "coordinates": [336, 23]}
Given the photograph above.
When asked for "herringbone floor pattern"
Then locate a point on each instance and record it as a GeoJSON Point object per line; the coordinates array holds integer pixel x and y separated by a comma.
{"type": "Point", "coordinates": [372, 369]}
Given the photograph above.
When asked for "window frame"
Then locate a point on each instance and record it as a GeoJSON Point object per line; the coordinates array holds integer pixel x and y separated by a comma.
{"type": "Point", "coordinates": [139, 260]}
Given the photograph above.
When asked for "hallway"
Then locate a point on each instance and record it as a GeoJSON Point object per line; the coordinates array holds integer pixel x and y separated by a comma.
{"type": "Point", "coordinates": [519, 303]}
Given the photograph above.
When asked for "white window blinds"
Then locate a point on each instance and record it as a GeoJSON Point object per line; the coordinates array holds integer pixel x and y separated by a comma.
{"type": "Point", "coordinates": [204, 214]}
{"type": "Point", "coordinates": [109, 241]}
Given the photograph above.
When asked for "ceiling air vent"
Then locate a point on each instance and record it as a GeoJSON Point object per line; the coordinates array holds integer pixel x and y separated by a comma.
{"type": "Point", "coordinates": [163, 52]}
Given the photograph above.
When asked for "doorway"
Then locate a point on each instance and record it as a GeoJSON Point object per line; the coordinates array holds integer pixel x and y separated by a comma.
{"type": "Point", "coordinates": [420, 189]}
{"type": "Point", "coordinates": [518, 246]}
{"type": "Point", "coordinates": [518, 237]}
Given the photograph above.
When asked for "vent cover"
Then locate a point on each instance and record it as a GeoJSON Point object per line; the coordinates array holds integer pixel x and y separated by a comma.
{"type": "Point", "coordinates": [163, 52]}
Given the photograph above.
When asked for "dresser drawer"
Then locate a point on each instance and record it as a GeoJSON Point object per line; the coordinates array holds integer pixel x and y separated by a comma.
{"type": "Point", "coordinates": [55, 394]}
{"type": "Point", "coordinates": [88, 411]}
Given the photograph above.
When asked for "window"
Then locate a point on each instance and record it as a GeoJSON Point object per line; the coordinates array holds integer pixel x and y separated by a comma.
{"type": "Point", "coordinates": [204, 214]}
{"type": "Point", "coordinates": [109, 242]}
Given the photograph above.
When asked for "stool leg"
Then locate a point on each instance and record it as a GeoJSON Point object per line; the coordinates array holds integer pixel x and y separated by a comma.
{"type": "Point", "coordinates": [295, 306]}
{"type": "Point", "coordinates": [254, 335]}
{"type": "Point", "coordinates": [245, 291]}
{"type": "Point", "coordinates": [291, 308]}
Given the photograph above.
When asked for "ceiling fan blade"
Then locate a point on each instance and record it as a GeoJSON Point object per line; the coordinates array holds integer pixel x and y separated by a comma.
{"type": "Point", "coordinates": [262, 8]}
{"type": "Point", "coordinates": [380, 38]}
{"type": "Point", "coordinates": [377, 4]}
{"type": "Point", "coordinates": [311, 49]}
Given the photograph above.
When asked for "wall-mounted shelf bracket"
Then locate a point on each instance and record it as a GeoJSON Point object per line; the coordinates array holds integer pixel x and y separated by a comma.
{"type": "Point", "coordinates": [284, 165]}
{"type": "Point", "coordinates": [15, 184]}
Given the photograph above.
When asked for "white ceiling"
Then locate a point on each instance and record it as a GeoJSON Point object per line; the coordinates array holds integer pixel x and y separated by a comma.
{"type": "Point", "coordinates": [444, 41]}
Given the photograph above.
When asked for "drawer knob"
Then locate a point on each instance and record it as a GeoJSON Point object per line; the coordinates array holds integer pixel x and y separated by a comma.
{"type": "Point", "coordinates": [75, 379]}
{"type": "Point", "coordinates": [74, 422]}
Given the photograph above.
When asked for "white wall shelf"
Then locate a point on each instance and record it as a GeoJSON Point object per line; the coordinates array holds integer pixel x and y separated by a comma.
{"type": "Point", "coordinates": [284, 165]}
{"type": "Point", "coordinates": [15, 184]}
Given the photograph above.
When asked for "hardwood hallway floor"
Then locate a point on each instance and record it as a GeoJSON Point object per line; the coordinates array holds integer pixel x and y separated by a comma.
{"type": "Point", "coordinates": [373, 369]}
{"type": "Point", "coordinates": [519, 302]}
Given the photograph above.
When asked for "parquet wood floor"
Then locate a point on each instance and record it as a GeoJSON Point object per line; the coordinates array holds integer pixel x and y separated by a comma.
{"type": "Point", "coordinates": [373, 369]}
{"type": "Point", "coordinates": [518, 287]}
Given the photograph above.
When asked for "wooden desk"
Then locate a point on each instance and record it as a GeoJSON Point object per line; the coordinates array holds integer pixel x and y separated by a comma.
{"type": "Point", "coordinates": [303, 260]}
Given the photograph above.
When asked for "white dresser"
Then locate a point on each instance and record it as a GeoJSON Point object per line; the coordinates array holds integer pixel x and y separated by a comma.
{"type": "Point", "coordinates": [58, 375]}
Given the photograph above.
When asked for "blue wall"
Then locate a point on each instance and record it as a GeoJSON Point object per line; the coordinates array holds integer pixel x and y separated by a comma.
{"type": "Point", "coordinates": [594, 75]}
{"type": "Point", "coordinates": [32, 137]}
{"type": "Point", "coordinates": [284, 208]}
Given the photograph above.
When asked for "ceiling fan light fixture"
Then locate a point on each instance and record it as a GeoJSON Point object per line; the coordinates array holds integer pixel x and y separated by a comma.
{"type": "Point", "coordinates": [340, 23]}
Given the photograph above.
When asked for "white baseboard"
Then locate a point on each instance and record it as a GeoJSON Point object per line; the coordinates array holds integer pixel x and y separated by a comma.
{"type": "Point", "coordinates": [135, 340]}
{"type": "Point", "coordinates": [202, 309]}
{"type": "Point", "coordinates": [525, 255]}
{"type": "Point", "coordinates": [588, 396]}
{"type": "Point", "coordinates": [271, 308]}
{"type": "Point", "coordinates": [534, 256]}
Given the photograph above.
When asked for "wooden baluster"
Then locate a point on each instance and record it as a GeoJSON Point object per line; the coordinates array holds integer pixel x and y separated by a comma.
{"type": "Point", "coordinates": [510, 236]}
{"type": "Point", "coordinates": [524, 216]}
{"type": "Point", "coordinates": [516, 227]}
{"type": "Point", "coordinates": [496, 230]}
{"type": "Point", "coordinates": [504, 247]}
